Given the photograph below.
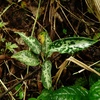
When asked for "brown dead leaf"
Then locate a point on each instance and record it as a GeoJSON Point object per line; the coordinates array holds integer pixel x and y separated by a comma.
{"type": "Point", "coordinates": [0, 72]}
{"type": "Point", "coordinates": [2, 57]}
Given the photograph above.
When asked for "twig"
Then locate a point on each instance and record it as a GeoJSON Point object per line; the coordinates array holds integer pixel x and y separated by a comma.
{"type": "Point", "coordinates": [19, 82]}
{"type": "Point", "coordinates": [37, 22]}
{"type": "Point", "coordinates": [68, 21]}
{"type": "Point", "coordinates": [84, 69]}
{"type": "Point", "coordinates": [83, 65]}
{"type": "Point", "coordinates": [36, 18]}
{"type": "Point", "coordinates": [10, 93]}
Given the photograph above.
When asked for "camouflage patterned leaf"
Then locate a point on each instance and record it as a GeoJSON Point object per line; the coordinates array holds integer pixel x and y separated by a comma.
{"type": "Point", "coordinates": [46, 74]}
{"type": "Point", "coordinates": [45, 41]}
{"type": "Point", "coordinates": [70, 45]}
{"type": "Point", "coordinates": [27, 58]}
{"type": "Point", "coordinates": [32, 42]}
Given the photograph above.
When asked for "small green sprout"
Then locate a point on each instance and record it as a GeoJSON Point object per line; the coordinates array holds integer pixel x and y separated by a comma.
{"type": "Point", "coordinates": [64, 31]}
{"type": "Point", "coordinates": [10, 46]}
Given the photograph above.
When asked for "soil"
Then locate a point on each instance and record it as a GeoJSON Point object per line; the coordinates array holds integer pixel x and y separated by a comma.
{"type": "Point", "coordinates": [62, 18]}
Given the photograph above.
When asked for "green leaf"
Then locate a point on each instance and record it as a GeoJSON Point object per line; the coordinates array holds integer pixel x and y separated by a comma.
{"type": "Point", "coordinates": [26, 57]}
{"type": "Point", "coordinates": [21, 95]}
{"type": "Point", "coordinates": [17, 87]}
{"type": "Point", "coordinates": [94, 77]}
{"type": "Point", "coordinates": [65, 31]}
{"type": "Point", "coordinates": [69, 93]}
{"type": "Point", "coordinates": [94, 92]}
{"type": "Point", "coordinates": [96, 36]}
{"type": "Point", "coordinates": [32, 42]}
{"type": "Point", "coordinates": [70, 45]}
{"type": "Point", "coordinates": [44, 94]}
{"type": "Point", "coordinates": [2, 40]}
{"type": "Point", "coordinates": [45, 41]}
{"type": "Point", "coordinates": [10, 46]}
{"type": "Point", "coordinates": [20, 91]}
{"type": "Point", "coordinates": [2, 24]}
{"type": "Point", "coordinates": [32, 99]}
{"type": "Point", "coordinates": [46, 74]}
{"type": "Point", "coordinates": [81, 81]}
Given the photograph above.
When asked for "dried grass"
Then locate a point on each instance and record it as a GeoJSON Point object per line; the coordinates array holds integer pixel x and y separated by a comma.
{"type": "Point", "coordinates": [94, 7]}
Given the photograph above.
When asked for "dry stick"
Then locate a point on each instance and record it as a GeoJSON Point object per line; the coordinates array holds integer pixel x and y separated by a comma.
{"type": "Point", "coordinates": [10, 93]}
{"type": "Point", "coordinates": [9, 70]}
{"type": "Point", "coordinates": [61, 68]}
{"type": "Point", "coordinates": [72, 59]}
{"type": "Point", "coordinates": [84, 69]}
{"type": "Point", "coordinates": [37, 22]}
{"type": "Point", "coordinates": [19, 82]}
{"type": "Point", "coordinates": [6, 9]}
{"type": "Point", "coordinates": [69, 12]}
{"type": "Point", "coordinates": [2, 13]}
{"type": "Point", "coordinates": [79, 19]}
{"type": "Point", "coordinates": [25, 86]}
{"type": "Point", "coordinates": [36, 18]}
{"type": "Point", "coordinates": [83, 65]}
{"type": "Point", "coordinates": [68, 21]}
{"type": "Point", "coordinates": [45, 13]}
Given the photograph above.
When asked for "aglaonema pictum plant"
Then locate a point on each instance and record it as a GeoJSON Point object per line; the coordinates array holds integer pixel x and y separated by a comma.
{"type": "Point", "coordinates": [45, 47]}
{"type": "Point", "coordinates": [31, 57]}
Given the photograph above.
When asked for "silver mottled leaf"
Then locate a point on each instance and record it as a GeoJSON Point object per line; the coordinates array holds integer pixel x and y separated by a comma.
{"type": "Point", "coordinates": [46, 74]}
{"type": "Point", "coordinates": [27, 58]}
{"type": "Point", "coordinates": [45, 41]}
{"type": "Point", "coordinates": [46, 44]}
{"type": "Point", "coordinates": [32, 42]}
{"type": "Point", "coordinates": [70, 45]}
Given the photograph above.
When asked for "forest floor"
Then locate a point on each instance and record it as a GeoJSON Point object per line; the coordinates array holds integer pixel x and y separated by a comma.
{"type": "Point", "coordinates": [61, 18]}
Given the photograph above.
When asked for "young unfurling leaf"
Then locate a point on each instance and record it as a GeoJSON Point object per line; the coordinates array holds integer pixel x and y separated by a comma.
{"type": "Point", "coordinates": [45, 41]}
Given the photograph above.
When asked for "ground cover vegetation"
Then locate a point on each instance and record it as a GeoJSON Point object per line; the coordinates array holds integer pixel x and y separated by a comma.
{"type": "Point", "coordinates": [49, 50]}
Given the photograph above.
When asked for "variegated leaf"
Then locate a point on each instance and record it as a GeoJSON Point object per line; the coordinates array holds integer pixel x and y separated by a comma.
{"type": "Point", "coordinates": [27, 58]}
{"type": "Point", "coordinates": [45, 41]}
{"type": "Point", "coordinates": [70, 45]}
{"type": "Point", "coordinates": [46, 74]}
{"type": "Point", "coordinates": [32, 42]}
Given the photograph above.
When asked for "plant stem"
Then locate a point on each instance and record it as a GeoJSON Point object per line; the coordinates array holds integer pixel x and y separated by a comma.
{"type": "Point", "coordinates": [36, 18]}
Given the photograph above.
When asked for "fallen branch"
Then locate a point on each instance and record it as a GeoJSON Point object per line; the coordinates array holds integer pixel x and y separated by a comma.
{"type": "Point", "coordinates": [19, 82]}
